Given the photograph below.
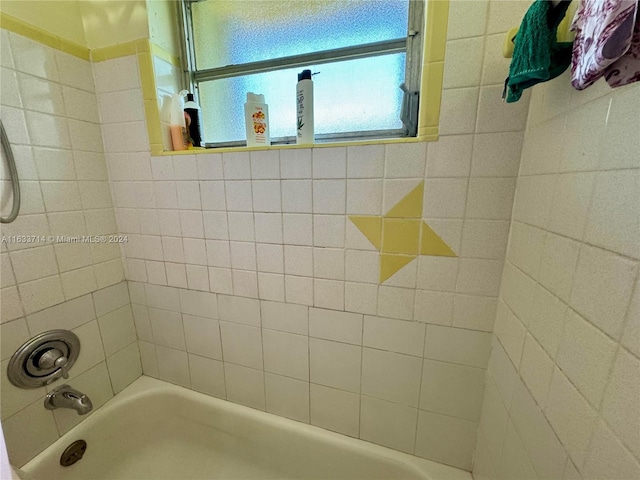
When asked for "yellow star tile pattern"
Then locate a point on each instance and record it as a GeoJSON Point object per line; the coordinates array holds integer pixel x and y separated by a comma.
{"type": "Point", "coordinates": [401, 235]}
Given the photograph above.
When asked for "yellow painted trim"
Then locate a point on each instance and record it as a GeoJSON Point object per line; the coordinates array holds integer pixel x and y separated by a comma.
{"type": "Point", "coordinates": [436, 22]}
{"type": "Point", "coordinates": [167, 56]}
{"type": "Point", "coordinates": [39, 35]}
{"type": "Point", "coordinates": [114, 51]}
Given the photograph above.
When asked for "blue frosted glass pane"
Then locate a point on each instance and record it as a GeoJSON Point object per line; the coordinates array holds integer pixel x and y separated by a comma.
{"type": "Point", "coordinates": [239, 31]}
{"type": "Point", "coordinates": [355, 95]}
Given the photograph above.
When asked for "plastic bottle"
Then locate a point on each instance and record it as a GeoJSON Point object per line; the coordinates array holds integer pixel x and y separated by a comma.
{"type": "Point", "coordinates": [304, 108]}
{"type": "Point", "coordinates": [256, 117]}
{"type": "Point", "coordinates": [192, 109]}
{"type": "Point", "coordinates": [179, 134]}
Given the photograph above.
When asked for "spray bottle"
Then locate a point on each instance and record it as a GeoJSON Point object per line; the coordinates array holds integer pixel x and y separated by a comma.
{"type": "Point", "coordinates": [304, 108]}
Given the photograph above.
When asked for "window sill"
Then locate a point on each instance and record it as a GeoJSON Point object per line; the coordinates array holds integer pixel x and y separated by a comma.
{"type": "Point", "coordinates": [354, 143]}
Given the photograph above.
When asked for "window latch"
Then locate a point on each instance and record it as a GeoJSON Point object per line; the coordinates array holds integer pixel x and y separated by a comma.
{"type": "Point", "coordinates": [409, 114]}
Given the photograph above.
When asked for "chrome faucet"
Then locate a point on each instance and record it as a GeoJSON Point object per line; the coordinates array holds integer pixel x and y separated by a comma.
{"type": "Point", "coordinates": [66, 397]}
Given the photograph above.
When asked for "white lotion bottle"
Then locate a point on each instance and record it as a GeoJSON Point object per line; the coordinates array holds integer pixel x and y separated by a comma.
{"type": "Point", "coordinates": [256, 118]}
{"type": "Point", "coordinates": [304, 108]}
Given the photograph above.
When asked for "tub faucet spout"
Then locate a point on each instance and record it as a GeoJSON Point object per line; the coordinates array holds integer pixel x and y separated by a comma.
{"type": "Point", "coordinates": [66, 397]}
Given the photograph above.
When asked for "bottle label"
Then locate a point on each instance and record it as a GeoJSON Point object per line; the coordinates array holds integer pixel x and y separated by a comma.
{"type": "Point", "coordinates": [259, 124]}
{"type": "Point", "coordinates": [300, 110]}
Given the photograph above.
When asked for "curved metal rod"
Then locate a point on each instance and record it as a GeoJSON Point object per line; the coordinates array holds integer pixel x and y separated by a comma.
{"type": "Point", "coordinates": [13, 172]}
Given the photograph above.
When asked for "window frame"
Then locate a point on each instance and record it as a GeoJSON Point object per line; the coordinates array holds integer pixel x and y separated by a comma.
{"type": "Point", "coordinates": [411, 45]}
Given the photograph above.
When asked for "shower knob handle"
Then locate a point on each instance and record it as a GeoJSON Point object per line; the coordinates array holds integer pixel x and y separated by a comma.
{"type": "Point", "coordinates": [54, 358]}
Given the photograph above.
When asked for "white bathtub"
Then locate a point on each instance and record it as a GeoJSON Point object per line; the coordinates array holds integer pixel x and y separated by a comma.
{"type": "Point", "coordinates": [155, 430]}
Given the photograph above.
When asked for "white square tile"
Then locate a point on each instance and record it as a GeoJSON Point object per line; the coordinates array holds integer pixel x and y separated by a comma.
{"type": "Point", "coordinates": [388, 424]}
{"type": "Point", "coordinates": [185, 167]}
{"type": "Point", "coordinates": [335, 364]}
{"type": "Point", "coordinates": [335, 410]}
{"type": "Point", "coordinates": [148, 359]}
{"type": "Point", "coordinates": [458, 113]}
{"type": "Point", "coordinates": [454, 390]}
{"type": "Point", "coordinates": [328, 231]}
{"type": "Point", "coordinates": [536, 369]}
{"type": "Point", "coordinates": [364, 197]}
{"type": "Point", "coordinates": [239, 197]}
{"type": "Point", "coordinates": [437, 273]}
{"type": "Point", "coordinates": [239, 310]}
{"type": "Point", "coordinates": [602, 287]}
{"type": "Point", "coordinates": [271, 286]}
{"type": "Point", "coordinates": [117, 330]}
{"type": "Point", "coordinates": [450, 156]}
{"type": "Point", "coordinates": [328, 263]}
{"type": "Point", "coordinates": [191, 223]}
{"type": "Point", "coordinates": [559, 259]}
{"type": "Point", "coordinates": [195, 251]}
{"type": "Point", "coordinates": [167, 328]}
{"type": "Point", "coordinates": [212, 195]}
{"type": "Point", "coordinates": [608, 458]}
{"type": "Point", "coordinates": [34, 263]}
{"type": "Point", "coordinates": [391, 376]}
{"type": "Point", "coordinates": [245, 284]}
{"type": "Point", "coordinates": [490, 198]}
{"type": "Point", "coordinates": [298, 290]}
{"type": "Point", "coordinates": [216, 225]}
{"type": "Point", "coordinates": [329, 162]}
{"type": "Point", "coordinates": [285, 317]}
{"type": "Point", "coordinates": [295, 163]}
{"type": "Point", "coordinates": [404, 160]}
{"type": "Point", "coordinates": [218, 253]}
{"type": "Point", "coordinates": [328, 294]}
{"type": "Point", "coordinates": [124, 368]}
{"type": "Point", "coordinates": [297, 229]}
{"type": "Point", "coordinates": [445, 439]}
{"type": "Point", "coordinates": [514, 462]}
{"type": "Point", "coordinates": [265, 164]}
{"type": "Point", "coordinates": [339, 326]}
{"type": "Point", "coordinates": [570, 205]}
{"type": "Point", "coordinates": [207, 376]}
{"type": "Point", "coordinates": [362, 266]}
{"type": "Point", "coordinates": [296, 196]}
{"type": "Point", "coordinates": [188, 195]}
{"type": "Point", "coordinates": [241, 344]}
{"type": "Point", "coordinates": [203, 304]}
{"type": "Point", "coordinates": [270, 258]}
{"type": "Point", "coordinates": [236, 166]}
{"type": "Point", "coordinates": [202, 336]}
{"type": "Point", "coordinates": [209, 166]}
{"type": "Point", "coordinates": [329, 196]}
{"type": "Point", "coordinates": [241, 226]}
{"type": "Point", "coordinates": [244, 385]}
{"type": "Point", "coordinates": [547, 320]}
{"type": "Point", "coordinates": [268, 227]}
{"type": "Point", "coordinates": [510, 331]}
{"type": "Point", "coordinates": [570, 416]}
{"type": "Point", "coordinates": [474, 312]}
{"type": "Point", "coordinates": [170, 222]}
{"type": "Point", "coordinates": [286, 354]}
{"type": "Point", "coordinates": [173, 366]}
{"type": "Point", "coordinates": [479, 277]}
{"type": "Point", "coordinates": [585, 356]}
{"type": "Point", "coordinates": [463, 64]}
{"type": "Point", "coordinates": [615, 192]}
{"type": "Point", "coordinates": [14, 334]}
{"type": "Point", "coordinates": [493, 420]}
{"type": "Point", "coordinates": [445, 197]}
{"type": "Point", "coordinates": [394, 335]}
{"type": "Point", "coordinates": [243, 255]}
{"type": "Point", "coordinates": [298, 260]}
{"type": "Point", "coordinates": [220, 280]}
{"type": "Point", "coordinates": [142, 322]}
{"type": "Point", "coordinates": [361, 298]}
{"type": "Point", "coordinates": [287, 397]}
{"type": "Point", "coordinates": [266, 196]}
{"type": "Point", "coordinates": [497, 154]}
{"type": "Point", "coordinates": [395, 302]}
{"type": "Point", "coordinates": [365, 161]}
{"type": "Point", "coordinates": [494, 117]}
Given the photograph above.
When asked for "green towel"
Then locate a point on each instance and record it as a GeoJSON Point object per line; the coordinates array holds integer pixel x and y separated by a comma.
{"type": "Point", "coordinates": [537, 55]}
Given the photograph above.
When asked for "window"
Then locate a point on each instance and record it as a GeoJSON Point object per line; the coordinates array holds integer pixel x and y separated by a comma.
{"type": "Point", "coordinates": [361, 52]}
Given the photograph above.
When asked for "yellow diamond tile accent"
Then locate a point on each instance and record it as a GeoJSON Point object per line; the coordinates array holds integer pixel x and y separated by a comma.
{"type": "Point", "coordinates": [390, 264]}
{"type": "Point", "coordinates": [432, 244]}
{"type": "Point", "coordinates": [371, 227]}
{"type": "Point", "coordinates": [410, 206]}
{"type": "Point", "coordinates": [400, 235]}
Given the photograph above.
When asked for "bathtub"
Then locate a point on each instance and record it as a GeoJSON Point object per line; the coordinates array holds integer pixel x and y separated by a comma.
{"type": "Point", "coordinates": [155, 430]}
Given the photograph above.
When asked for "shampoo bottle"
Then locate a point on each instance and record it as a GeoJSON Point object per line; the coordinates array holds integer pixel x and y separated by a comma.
{"type": "Point", "coordinates": [304, 108]}
{"type": "Point", "coordinates": [179, 134]}
{"type": "Point", "coordinates": [256, 117]}
{"type": "Point", "coordinates": [192, 109]}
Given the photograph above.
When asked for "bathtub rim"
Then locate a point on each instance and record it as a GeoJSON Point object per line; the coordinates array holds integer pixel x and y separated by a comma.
{"type": "Point", "coordinates": [145, 386]}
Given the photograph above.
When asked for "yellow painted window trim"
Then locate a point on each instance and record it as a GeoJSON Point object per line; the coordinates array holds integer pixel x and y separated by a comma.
{"type": "Point", "coordinates": [435, 28]}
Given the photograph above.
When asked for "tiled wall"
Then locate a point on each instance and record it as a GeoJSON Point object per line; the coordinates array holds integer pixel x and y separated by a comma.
{"type": "Point", "coordinates": [563, 384]}
{"type": "Point", "coordinates": [263, 243]}
{"type": "Point", "coordinates": [51, 114]}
